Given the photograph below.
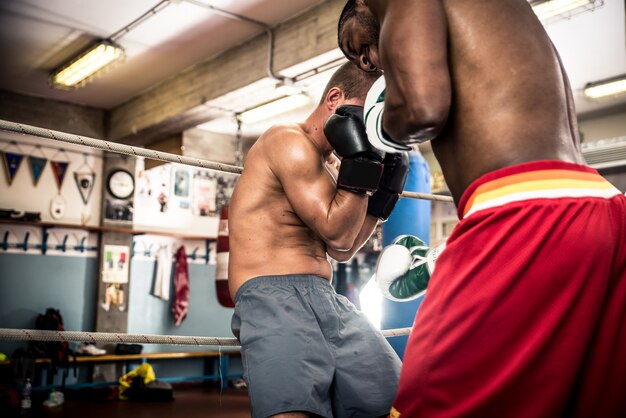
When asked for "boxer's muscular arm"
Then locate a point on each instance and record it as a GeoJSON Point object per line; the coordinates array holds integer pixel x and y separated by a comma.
{"type": "Point", "coordinates": [413, 53]}
{"type": "Point", "coordinates": [332, 165]}
{"type": "Point", "coordinates": [366, 231]}
{"type": "Point", "coordinates": [336, 216]}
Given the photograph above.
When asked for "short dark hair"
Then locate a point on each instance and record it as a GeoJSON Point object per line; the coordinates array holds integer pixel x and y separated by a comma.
{"type": "Point", "coordinates": [348, 12]}
{"type": "Point", "coordinates": [366, 20]}
{"type": "Point", "coordinates": [353, 81]}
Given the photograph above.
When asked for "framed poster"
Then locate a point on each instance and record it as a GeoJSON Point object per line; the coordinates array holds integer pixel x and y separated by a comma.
{"type": "Point", "coordinates": [115, 264]}
{"type": "Point", "coordinates": [225, 187]}
{"type": "Point", "coordinates": [204, 193]}
{"type": "Point", "coordinates": [181, 182]}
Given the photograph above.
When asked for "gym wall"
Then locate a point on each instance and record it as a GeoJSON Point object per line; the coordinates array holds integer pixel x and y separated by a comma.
{"type": "Point", "coordinates": [67, 278]}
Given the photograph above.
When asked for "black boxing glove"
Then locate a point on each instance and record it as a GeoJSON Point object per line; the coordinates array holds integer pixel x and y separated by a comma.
{"type": "Point", "coordinates": [395, 173]}
{"type": "Point", "coordinates": [361, 164]}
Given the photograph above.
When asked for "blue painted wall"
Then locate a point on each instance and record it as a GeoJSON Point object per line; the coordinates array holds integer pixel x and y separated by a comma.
{"type": "Point", "coordinates": [151, 315]}
{"type": "Point", "coordinates": [30, 283]}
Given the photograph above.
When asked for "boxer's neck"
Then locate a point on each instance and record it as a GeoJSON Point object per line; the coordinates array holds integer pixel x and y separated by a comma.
{"type": "Point", "coordinates": [313, 126]}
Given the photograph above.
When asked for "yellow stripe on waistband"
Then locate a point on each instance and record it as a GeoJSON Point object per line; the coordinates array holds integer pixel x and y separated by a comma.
{"type": "Point", "coordinates": [545, 185]}
{"type": "Point", "coordinates": [502, 191]}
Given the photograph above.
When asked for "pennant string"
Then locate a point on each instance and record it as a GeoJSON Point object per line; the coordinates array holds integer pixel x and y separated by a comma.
{"type": "Point", "coordinates": [13, 144]}
{"type": "Point", "coordinates": [85, 164]}
{"type": "Point", "coordinates": [53, 149]}
{"type": "Point", "coordinates": [61, 150]}
{"type": "Point", "coordinates": [38, 149]}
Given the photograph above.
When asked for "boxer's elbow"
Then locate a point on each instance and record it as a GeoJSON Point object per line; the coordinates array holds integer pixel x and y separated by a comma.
{"type": "Point", "coordinates": [341, 226]}
{"type": "Point", "coordinates": [416, 121]}
{"type": "Point", "coordinates": [340, 243]}
{"type": "Point", "coordinates": [341, 239]}
{"type": "Point", "coordinates": [416, 126]}
{"type": "Point", "coordinates": [340, 256]}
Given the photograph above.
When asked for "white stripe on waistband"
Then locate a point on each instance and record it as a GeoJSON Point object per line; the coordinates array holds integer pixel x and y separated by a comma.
{"type": "Point", "coordinates": [543, 194]}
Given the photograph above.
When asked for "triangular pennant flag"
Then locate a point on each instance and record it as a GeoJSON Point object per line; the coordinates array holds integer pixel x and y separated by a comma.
{"type": "Point", "coordinates": [85, 182]}
{"type": "Point", "coordinates": [12, 161]}
{"type": "Point", "coordinates": [37, 165]}
{"type": "Point", "coordinates": [60, 169]}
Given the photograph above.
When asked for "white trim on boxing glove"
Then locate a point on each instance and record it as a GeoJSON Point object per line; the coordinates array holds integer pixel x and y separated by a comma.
{"type": "Point", "coordinates": [411, 264]}
{"type": "Point", "coordinates": [373, 117]}
{"type": "Point", "coordinates": [393, 263]}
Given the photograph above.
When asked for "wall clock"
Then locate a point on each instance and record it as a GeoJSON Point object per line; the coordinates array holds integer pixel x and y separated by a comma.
{"type": "Point", "coordinates": [121, 184]}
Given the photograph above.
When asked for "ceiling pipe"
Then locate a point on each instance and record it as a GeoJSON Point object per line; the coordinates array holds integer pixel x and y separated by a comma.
{"type": "Point", "coordinates": [156, 9]}
{"type": "Point", "coordinates": [267, 28]}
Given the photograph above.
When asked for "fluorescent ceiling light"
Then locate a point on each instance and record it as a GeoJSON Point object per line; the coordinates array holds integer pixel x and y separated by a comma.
{"type": "Point", "coordinates": [275, 107]}
{"type": "Point", "coordinates": [611, 87]}
{"type": "Point", "coordinates": [86, 65]}
{"type": "Point", "coordinates": [551, 8]}
{"type": "Point", "coordinates": [287, 90]}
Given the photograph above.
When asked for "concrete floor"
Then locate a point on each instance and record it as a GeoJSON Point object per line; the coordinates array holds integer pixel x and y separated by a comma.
{"type": "Point", "coordinates": [189, 402]}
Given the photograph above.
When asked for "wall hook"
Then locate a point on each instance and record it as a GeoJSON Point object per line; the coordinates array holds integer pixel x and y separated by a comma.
{"type": "Point", "coordinates": [81, 245]}
{"type": "Point", "coordinates": [44, 241]}
{"type": "Point", "coordinates": [207, 250]}
{"type": "Point", "coordinates": [5, 242]}
{"type": "Point", "coordinates": [24, 245]}
{"type": "Point", "coordinates": [63, 245]}
{"type": "Point", "coordinates": [148, 251]}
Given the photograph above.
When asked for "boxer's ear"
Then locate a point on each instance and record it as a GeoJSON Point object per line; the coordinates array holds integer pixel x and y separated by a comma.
{"type": "Point", "coordinates": [368, 59]}
{"type": "Point", "coordinates": [365, 64]}
{"type": "Point", "coordinates": [334, 98]}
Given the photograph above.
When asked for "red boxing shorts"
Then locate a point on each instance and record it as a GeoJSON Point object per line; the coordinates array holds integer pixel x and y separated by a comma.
{"type": "Point", "coordinates": [525, 314]}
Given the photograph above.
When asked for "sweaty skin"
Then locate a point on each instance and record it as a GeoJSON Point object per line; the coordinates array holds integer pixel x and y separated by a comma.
{"type": "Point", "coordinates": [480, 78]}
{"type": "Point", "coordinates": [286, 215]}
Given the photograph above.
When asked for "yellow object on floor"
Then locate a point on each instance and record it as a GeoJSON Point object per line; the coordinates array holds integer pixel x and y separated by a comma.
{"type": "Point", "coordinates": [144, 371]}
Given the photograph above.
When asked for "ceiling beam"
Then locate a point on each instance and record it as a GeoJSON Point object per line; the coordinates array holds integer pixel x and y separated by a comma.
{"type": "Point", "coordinates": [178, 103]}
{"type": "Point", "coordinates": [52, 114]}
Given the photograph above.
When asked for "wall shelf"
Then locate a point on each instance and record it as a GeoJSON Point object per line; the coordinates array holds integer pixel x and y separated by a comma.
{"type": "Point", "coordinates": [93, 228]}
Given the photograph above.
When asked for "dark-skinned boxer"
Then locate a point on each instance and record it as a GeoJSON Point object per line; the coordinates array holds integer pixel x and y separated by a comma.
{"type": "Point", "coordinates": [525, 313]}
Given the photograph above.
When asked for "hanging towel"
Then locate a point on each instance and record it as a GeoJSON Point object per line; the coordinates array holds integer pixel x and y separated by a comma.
{"type": "Point", "coordinates": [181, 286]}
{"type": "Point", "coordinates": [163, 272]}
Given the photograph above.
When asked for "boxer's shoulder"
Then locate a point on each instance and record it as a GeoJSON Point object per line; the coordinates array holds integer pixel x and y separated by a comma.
{"type": "Point", "coordinates": [288, 143]}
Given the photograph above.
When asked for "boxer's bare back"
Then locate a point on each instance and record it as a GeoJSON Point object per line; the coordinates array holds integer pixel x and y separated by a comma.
{"type": "Point", "coordinates": [267, 237]}
{"type": "Point", "coordinates": [480, 78]}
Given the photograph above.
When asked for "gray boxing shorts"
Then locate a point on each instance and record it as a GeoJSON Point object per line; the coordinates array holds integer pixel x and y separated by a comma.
{"type": "Point", "coordinates": [306, 348]}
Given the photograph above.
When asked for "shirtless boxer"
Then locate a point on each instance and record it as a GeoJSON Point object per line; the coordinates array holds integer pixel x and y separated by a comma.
{"type": "Point", "coordinates": [307, 350]}
{"type": "Point", "coordinates": [525, 314]}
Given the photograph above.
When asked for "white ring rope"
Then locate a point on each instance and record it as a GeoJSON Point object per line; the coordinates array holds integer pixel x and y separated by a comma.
{"type": "Point", "coordinates": [427, 196]}
{"type": "Point", "coordinates": [397, 332]}
{"type": "Point", "coordinates": [109, 337]}
{"type": "Point", "coordinates": [153, 154]}
{"type": "Point", "coordinates": [116, 147]}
